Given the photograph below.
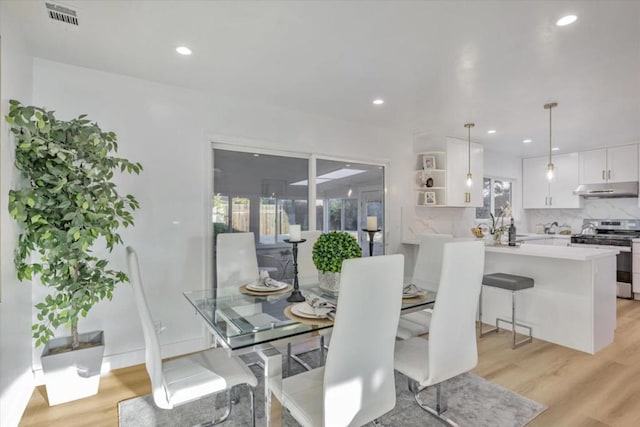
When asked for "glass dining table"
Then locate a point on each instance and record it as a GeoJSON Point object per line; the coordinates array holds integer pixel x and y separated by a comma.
{"type": "Point", "coordinates": [244, 323]}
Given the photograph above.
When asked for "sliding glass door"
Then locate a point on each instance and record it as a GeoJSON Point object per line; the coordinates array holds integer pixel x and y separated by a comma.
{"type": "Point", "coordinates": [264, 193]}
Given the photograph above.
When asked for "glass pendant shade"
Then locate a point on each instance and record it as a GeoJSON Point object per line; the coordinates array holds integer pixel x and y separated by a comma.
{"type": "Point", "coordinates": [550, 167]}
{"type": "Point", "coordinates": [469, 175]}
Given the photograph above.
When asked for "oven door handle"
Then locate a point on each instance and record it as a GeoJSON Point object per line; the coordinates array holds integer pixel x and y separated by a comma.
{"type": "Point", "coordinates": [586, 245]}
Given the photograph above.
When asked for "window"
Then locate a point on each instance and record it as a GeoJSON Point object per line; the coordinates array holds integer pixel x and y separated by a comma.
{"type": "Point", "coordinates": [266, 193]}
{"type": "Point", "coordinates": [496, 194]}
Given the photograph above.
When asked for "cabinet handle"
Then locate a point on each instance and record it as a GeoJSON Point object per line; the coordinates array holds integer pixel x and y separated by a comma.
{"type": "Point", "coordinates": [545, 201]}
{"type": "Point", "coordinates": [603, 178]}
{"type": "Point", "coordinates": [550, 201]}
{"type": "Point", "coordinates": [609, 174]}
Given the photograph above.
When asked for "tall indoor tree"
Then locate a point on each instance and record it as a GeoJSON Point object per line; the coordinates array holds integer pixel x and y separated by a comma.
{"type": "Point", "coordinates": [66, 204]}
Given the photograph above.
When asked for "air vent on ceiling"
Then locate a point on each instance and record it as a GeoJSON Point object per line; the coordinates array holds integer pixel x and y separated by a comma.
{"type": "Point", "coordinates": [62, 14]}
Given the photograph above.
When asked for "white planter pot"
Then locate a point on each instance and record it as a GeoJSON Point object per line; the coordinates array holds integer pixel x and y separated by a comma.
{"type": "Point", "coordinates": [329, 281]}
{"type": "Point", "coordinates": [74, 374]}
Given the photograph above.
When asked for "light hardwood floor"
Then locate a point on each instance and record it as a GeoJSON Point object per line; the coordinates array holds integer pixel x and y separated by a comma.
{"type": "Point", "coordinates": [579, 389]}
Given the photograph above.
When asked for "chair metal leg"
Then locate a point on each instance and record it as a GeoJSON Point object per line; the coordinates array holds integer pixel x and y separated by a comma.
{"type": "Point", "coordinates": [482, 333]}
{"type": "Point", "coordinates": [441, 403]}
{"type": "Point", "coordinates": [513, 323]}
{"type": "Point", "coordinates": [224, 417]}
{"type": "Point", "coordinates": [252, 402]}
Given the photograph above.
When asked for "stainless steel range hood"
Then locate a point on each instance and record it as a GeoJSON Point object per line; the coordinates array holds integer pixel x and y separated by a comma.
{"type": "Point", "coordinates": [613, 189]}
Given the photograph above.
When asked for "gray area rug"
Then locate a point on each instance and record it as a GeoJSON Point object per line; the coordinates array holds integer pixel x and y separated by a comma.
{"type": "Point", "coordinates": [473, 401]}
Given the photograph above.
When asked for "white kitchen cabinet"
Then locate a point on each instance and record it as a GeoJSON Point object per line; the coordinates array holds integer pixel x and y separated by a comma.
{"type": "Point", "coordinates": [539, 193]}
{"type": "Point", "coordinates": [458, 193]}
{"type": "Point", "coordinates": [615, 164]}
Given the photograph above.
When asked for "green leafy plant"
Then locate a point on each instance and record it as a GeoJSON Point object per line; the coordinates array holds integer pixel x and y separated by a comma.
{"type": "Point", "coordinates": [332, 248]}
{"type": "Point", "coordinates": [65, 204]}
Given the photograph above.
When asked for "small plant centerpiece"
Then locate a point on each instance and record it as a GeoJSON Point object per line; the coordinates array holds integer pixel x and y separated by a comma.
{"type": "Point", "coordinates": [498, 228]}
{"type": "Point", "coordinates": [328, 253]}
{"type": "Point", "coordinates": [66, 205]}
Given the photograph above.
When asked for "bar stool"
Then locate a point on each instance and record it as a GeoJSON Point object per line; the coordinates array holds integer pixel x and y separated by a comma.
{"type": "Point", "coordinates": [514, 284]}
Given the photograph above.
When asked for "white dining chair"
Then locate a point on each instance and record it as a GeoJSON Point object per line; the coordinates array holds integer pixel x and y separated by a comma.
{"type": "Point", "coordinates": [357, 384]}
{"type": "Point", "coordinates": [452, 347]}
{"type": "Point", "coordinates": [236, 259]}
{"type": "Point", "coordinates": [191, 377]}
{"type": "Point", "coordinates": [426, 275]}
{"type": "Point", "coordinates": [236, 265]}
{"type": "Point", "coordinates": [307, 274]}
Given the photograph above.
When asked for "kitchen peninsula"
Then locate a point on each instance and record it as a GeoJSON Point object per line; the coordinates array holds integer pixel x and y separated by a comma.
{"type": "Point", "coordinates": [573, 301]}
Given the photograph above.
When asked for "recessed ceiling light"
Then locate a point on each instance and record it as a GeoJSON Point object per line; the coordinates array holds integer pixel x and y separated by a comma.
{"type": "Point", "coordinates": [555, 149]}
{"type": "Point", "coordinates": [526, 141]}
{"type": "Point", "coordinates": [183, 50]}
{"type": "Point", "coordinates": [491, 131]}
{"type": "Point", "coordinates": [566, 20]}
{"type": "Point", "coordinates": [256, 155]}
{"type": "Point", "coordinates": [378, 101]}
{"type": "Point", "coordinates": [348, 165]}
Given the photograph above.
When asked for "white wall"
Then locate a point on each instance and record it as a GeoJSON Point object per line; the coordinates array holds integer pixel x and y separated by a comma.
{"type": "Point", "coordinates": [16, 377]}
{"type": "Point", "coordinates": [168, 130]}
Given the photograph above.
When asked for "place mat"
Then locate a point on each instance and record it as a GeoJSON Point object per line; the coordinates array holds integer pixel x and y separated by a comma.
{"type": "Point", "coordinates": [416, 298]}
{"type": "Point", "coordinates": [307, 321]}
{"type": "Point", "coordinates": [244, 290]}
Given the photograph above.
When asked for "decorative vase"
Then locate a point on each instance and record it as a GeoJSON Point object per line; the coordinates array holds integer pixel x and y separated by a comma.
{"type": "Point", "coordinates": [329, 281]}
{"type": "Point", "coordinates": [74, 374]}
{"type": "Point", "coordinates": [497, 237]}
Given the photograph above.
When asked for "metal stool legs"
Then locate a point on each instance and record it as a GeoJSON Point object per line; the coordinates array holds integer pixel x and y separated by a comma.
{"type": "Point", "coordinates": [513, 323]}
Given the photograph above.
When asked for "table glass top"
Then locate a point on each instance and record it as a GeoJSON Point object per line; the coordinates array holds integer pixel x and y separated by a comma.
{"type": "Point", "coordinates": [241, 320]}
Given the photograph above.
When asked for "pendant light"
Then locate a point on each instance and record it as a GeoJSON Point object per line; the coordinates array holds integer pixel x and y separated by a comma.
{"type": "Point", "coordinates": [550, 166]}
{"type": "Point", "coordinates": [469, 175]}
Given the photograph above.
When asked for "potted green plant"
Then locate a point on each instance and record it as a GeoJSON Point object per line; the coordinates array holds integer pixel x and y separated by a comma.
{"type": "Point", "coordinates": [328, 253]}
{"type": "Point", "coordinates": [65, 206]}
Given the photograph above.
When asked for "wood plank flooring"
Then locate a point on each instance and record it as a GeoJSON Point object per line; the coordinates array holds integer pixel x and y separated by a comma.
{"type": "Point", "coordinates": [579, 389]}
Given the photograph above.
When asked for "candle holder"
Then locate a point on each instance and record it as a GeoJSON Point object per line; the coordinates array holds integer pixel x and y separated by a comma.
{"type": "Point", "coordinates": [296, 295]}
{"type": "Point", "coordinates": [371, 234]}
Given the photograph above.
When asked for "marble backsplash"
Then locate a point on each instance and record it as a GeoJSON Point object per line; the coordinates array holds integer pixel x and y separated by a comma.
{"type": "Point", "coordinates": [623, 208]}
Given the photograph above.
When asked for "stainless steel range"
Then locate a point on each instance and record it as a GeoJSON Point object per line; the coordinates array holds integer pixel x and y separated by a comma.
{"type": "Point", "coordinates": [613, 232]}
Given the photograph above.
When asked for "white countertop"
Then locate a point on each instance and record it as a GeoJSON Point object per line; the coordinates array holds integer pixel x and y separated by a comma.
{"type": "Point", "coordinates": [558, 252]}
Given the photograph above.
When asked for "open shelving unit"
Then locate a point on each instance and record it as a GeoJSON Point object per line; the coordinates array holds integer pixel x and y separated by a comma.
{"type": "Point", "coordinates": [430, 171]}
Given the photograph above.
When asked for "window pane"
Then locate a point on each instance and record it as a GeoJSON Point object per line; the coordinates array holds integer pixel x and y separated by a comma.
{"type": "Point", "coordinates": [220, 214]}
{"type": "Point", "coordinates": [263, 195]}
{"type": "Point", "coordinates": [267, 220]}
{"type": "Point", "coordinates": [483, 212]}
{"type": "Point", "coordinates": [350, 192]}
{"type": "Point", "coordinates": [240, 214]}
{"type": "Point", "coordinates": [501, 194]}
{"type": "Point", "coordinates": [350, 214]}
{"type": "Point", "coordinates": [320, 214]}
{"type": "Point", "coordinates": [335, 214]}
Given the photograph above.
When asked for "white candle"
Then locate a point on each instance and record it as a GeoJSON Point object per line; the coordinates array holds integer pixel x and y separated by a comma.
{"type": "Point", "coordinates": [294, 232]}
{"type": "Point", "coordinates": [372, 223]}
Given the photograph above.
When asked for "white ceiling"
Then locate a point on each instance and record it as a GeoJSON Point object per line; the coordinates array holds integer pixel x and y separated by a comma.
{"type": "Point", "coordinates": [437, 64]}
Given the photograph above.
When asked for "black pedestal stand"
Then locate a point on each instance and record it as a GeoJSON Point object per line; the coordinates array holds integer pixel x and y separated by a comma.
{"type": "Point", "coordinates": [371, 234]}
{"type": "Point", "coordinates": [296, 295]}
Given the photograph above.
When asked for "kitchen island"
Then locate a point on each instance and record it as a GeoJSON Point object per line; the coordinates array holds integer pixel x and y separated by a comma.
{"type": "Point", "coordinates": [573, 301]}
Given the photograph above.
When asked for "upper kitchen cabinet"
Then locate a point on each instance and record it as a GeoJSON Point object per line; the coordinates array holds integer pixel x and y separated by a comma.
{"type": "Point", "coordinates": [615, 164]}
{"type": "Point", "coordinates": [539, 193]}
{"type": "Point", "coordinates": [458, 193]}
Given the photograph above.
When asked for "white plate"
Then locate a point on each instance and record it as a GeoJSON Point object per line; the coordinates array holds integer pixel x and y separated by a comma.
{"type": "Point", "coordinates": [259, 288]}
{"type": "Point", "coordinates": [303, 309]}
